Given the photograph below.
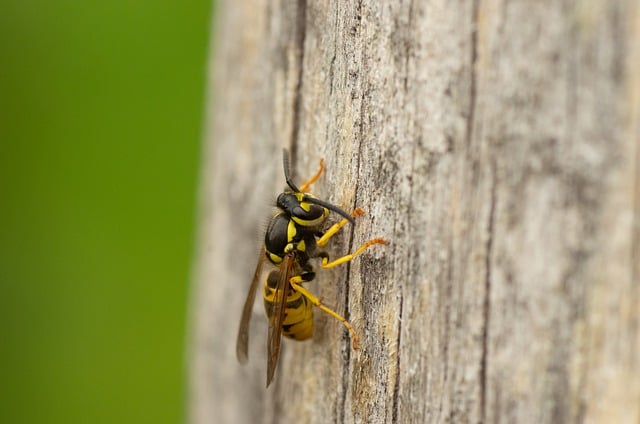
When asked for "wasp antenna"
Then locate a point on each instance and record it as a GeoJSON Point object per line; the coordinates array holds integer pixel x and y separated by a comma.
{"type": "Point", "coordinates": [287, 177]}
{"type": "Point", "coordinates": [330, 207]}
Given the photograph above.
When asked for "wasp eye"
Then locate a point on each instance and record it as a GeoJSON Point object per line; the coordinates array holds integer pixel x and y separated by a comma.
{"type": "Point", "coordinates": [287, 202]}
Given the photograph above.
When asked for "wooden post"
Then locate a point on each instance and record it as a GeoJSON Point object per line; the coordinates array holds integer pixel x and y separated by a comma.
{"type": "Point", "coordinates": [495, 144]}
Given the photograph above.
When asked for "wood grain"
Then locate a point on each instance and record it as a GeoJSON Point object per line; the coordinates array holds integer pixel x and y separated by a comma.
{"type": "Point", "coordinates": [495, 144]}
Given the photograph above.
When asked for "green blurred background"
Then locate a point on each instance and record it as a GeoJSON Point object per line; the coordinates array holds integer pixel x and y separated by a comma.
{"type": "Point", "coordinates": [101, 116]}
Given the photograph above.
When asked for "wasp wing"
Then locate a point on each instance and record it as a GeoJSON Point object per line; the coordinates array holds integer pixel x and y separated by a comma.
{"type": "Point", "coordinates": [276, 315]}
{"type": "Point", "coordinates": [242, 342]}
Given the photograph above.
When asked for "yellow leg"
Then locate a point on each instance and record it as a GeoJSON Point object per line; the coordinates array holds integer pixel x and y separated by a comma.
{"type": "Point", "coordinates": [313, 179]}
{"type": "Point", "coordinates": [313, 299]}
{"type": "Point", "coordinates": [346, 258]}
{"type": "Point", "coordinates": [322, 241]}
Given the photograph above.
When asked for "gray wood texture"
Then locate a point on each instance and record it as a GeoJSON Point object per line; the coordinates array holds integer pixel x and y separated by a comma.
{"type": "Point", "coordinates": [495, 144]}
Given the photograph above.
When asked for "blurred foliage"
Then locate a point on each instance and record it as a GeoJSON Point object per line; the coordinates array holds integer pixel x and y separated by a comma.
{"type": "Point", "coordinates": [101, 110]}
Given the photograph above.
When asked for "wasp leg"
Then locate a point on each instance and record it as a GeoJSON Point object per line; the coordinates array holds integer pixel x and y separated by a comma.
{"type": "Point", "coordinates": [347, 258]}
{"type": "Point", "coordinates": [313, 179]}
{"type": "Point", "coordinates": [295, 283]}
{"type": "Point", "coordinates": [308, 274]}
{"type": "Point", "coordinates": [322, 241]}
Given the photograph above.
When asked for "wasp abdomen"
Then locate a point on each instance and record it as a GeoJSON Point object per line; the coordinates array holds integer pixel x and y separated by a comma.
{"type": "Point", "coordinates": [297, 323]}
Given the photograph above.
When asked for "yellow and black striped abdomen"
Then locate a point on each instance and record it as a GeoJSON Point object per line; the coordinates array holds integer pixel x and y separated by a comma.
{"type": "Point", "coordinates": [298, 313]}
{"type": "Point", "coordinates": [298, 317]}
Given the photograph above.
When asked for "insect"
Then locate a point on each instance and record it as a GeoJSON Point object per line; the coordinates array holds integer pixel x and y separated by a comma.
{"type": "Point", "coordinates": [293, 237]}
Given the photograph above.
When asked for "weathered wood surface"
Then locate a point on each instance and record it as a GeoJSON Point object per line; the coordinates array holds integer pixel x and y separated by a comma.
{"type": "Point", "coordinates": [495, 144]}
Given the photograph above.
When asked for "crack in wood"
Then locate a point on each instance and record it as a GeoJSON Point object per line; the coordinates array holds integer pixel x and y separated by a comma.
{"type": "Point", "coordinates": [396, 387]}
{"type": "Point", "coordinates": [491, 218]}
{"type": "Point", "coordinates": [474, 58]}
{"type": "Point", "coordinates": [487, 297]}
{"type": "Point", "coordinates": [300, 35]}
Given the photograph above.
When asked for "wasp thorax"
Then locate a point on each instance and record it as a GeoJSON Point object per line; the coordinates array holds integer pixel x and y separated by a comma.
{"type": "Point", "coordinates": [278, 235]}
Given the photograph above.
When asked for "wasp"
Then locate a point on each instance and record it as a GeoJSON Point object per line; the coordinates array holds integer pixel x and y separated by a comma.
{"type": "Point", "coordinates": [294, 236]}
